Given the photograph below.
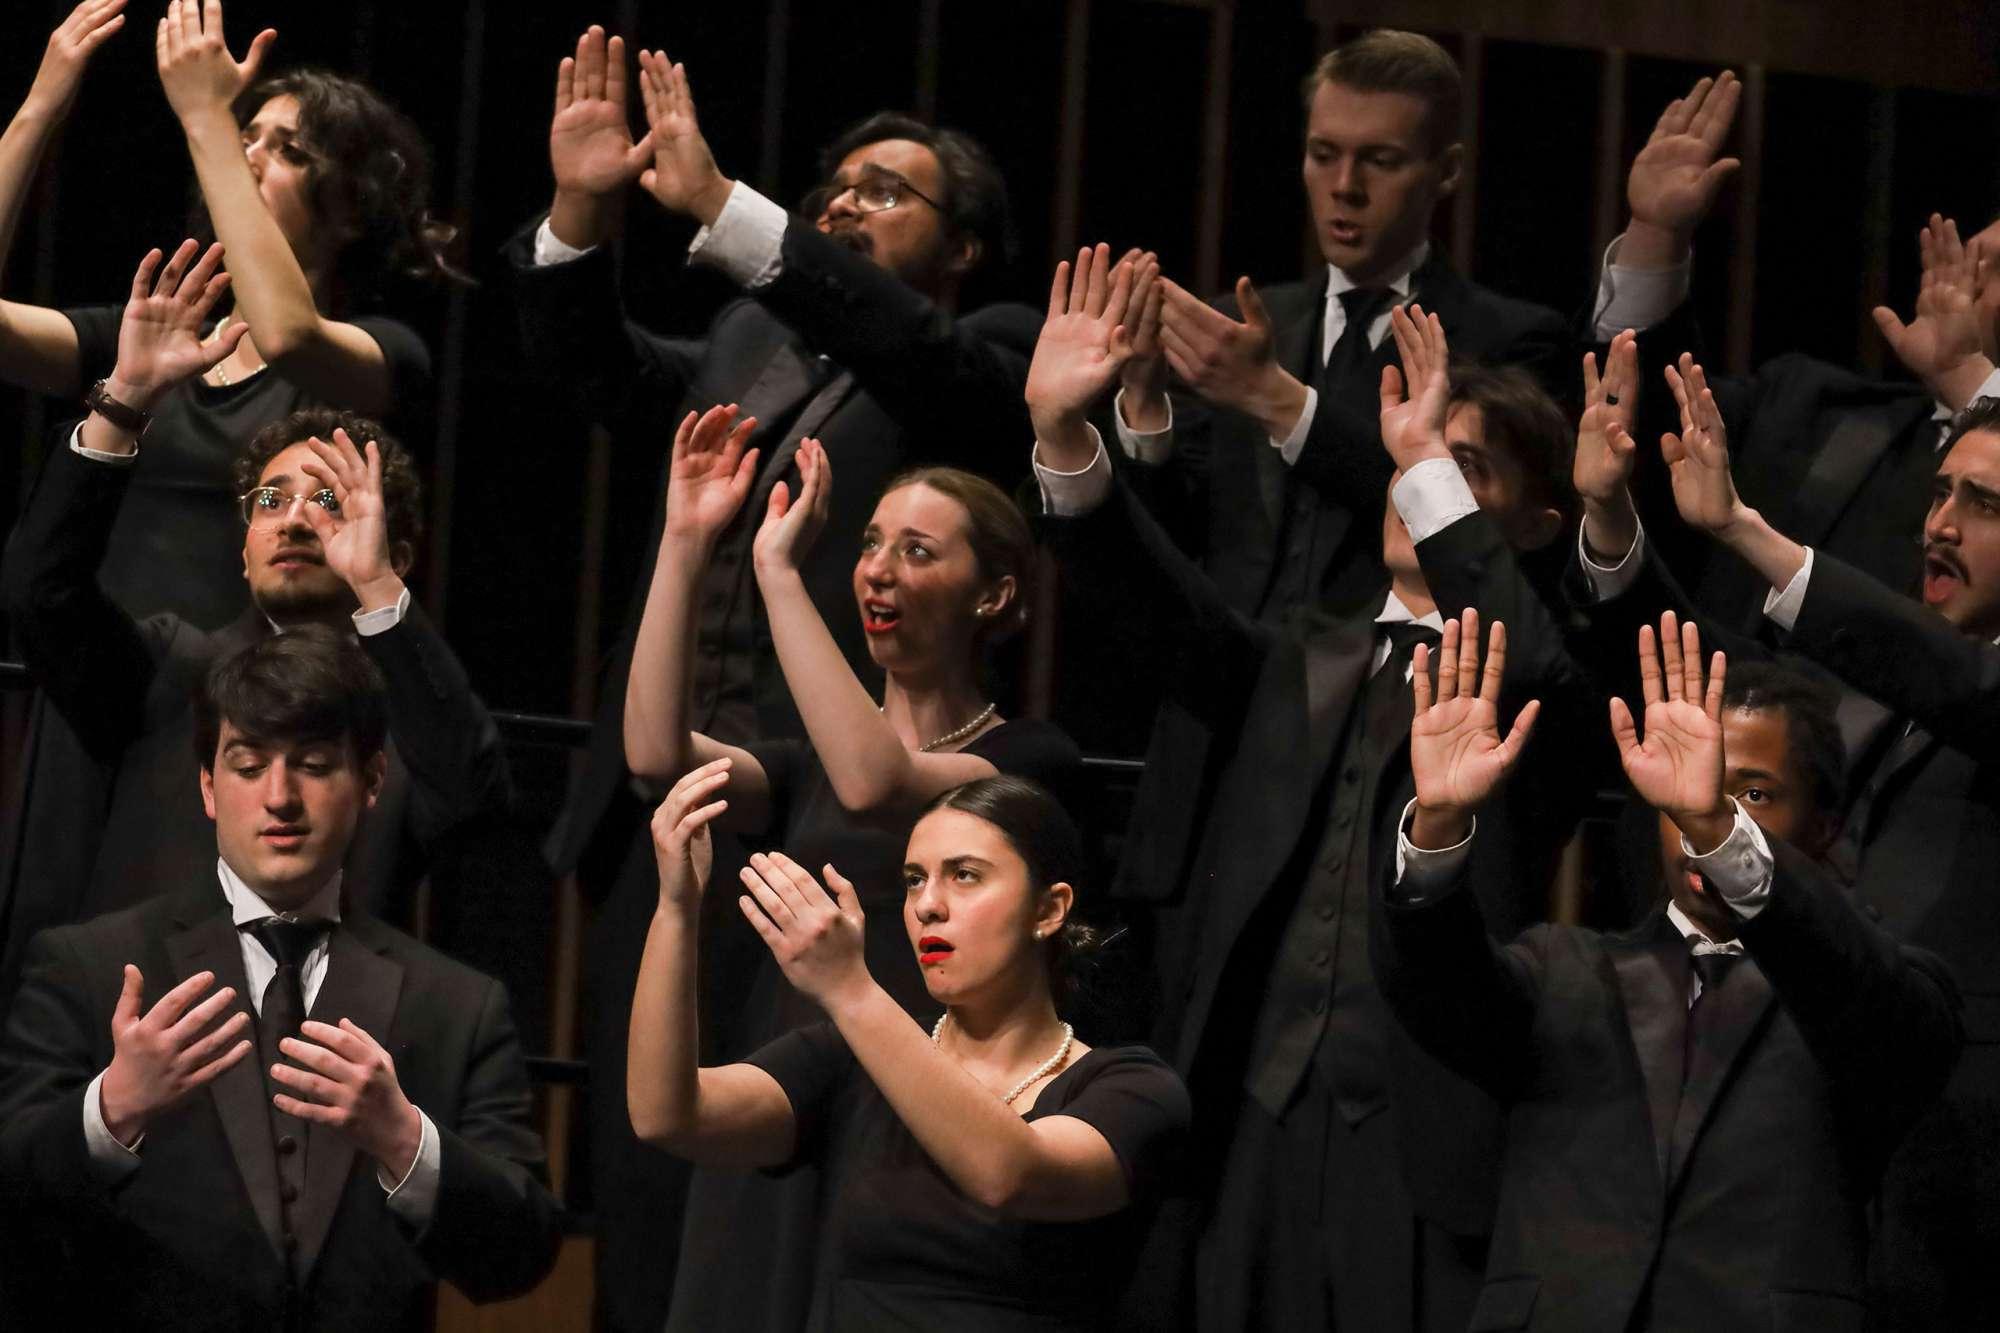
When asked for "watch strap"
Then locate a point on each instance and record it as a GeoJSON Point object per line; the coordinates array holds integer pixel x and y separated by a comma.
{"type": "Point", "coordinates": [121, 415]}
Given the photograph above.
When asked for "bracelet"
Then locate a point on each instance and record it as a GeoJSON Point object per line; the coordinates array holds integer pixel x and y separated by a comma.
{"type": "Point", "coordinates": [121, 415]}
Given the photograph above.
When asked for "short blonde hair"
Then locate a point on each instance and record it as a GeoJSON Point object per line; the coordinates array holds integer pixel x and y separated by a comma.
{"type": "Point", "coordinates": [1387, 60]}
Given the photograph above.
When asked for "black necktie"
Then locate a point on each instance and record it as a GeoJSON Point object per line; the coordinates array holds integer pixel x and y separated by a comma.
{"type": "Point", "coordinates": [1352, 350]}
{"type": "Point", "coordinates": [1388, 690]}
{"type": "Point", "coordinates": [1711, 966]}
{"type": "Point", "coordinates": [284, 1008]}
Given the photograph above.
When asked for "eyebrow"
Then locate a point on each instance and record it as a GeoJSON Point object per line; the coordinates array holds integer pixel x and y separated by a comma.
{"type": "Point", "coordinates": [967, 859]}
{"type": "Point", "coordinates": [901, 532]}
{"type": "Point", "coordinates": [1754, 775]}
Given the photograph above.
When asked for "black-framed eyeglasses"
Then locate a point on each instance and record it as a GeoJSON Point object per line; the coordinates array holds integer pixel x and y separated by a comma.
{"type": "Point", "coordinates": [266, 506]}
{"type": "Point", "coordinates": [873, 192]}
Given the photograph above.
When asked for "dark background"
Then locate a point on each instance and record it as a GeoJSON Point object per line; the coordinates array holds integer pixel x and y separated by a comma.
{"type": "Point", "coordinates": [1125, 90]}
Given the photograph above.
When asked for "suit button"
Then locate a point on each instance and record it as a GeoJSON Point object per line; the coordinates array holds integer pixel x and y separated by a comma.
{"type": "Point", "coordinates": [288, 1192]}
{"type": "Point", "coordinates": [287, 1145]}
{"type": "Point", "coordinates": [1322, 958]}
{"type": "Point", "coordinates": [1326, 910]}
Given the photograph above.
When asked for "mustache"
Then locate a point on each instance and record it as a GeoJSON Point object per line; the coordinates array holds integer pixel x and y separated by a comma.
{"type": "Point", "coordinates": [1944, 555]}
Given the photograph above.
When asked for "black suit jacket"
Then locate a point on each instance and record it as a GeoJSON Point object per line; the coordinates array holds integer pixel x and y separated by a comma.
{"type": "Point", "coordinates": [833, 347]}
{"type": "Point", "coordinates": [1222, 493]}
{"type": "Point", "coordinates": [1252, 718]}
{"type": "Point", "coordinates": [1630, 1199]}
{"type": "Point", "coordinates": [123, 688]}
{"type": "Point", "coordinates": [191, 1238]}
{"type": "Point", "coordinates": [1834, 459]}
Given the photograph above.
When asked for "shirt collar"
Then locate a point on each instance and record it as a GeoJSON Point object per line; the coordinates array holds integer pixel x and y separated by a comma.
{"type": "Point", "coordinates": [1690, 931]}
{"type": "Point", "coordinates": [1393, 612]}
{"type": "Point", "coordinates": [245, 906]}
{"type": "Point", "coordinates": [1400, 279]}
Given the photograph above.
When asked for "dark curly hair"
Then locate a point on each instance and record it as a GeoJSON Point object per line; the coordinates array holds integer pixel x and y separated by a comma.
{"type": "Point", "coordinates": [975, 193]}
{"type": "Point", "coordinates": [369, 184]}
{"type": "Point", "coordinates": [402, 490]}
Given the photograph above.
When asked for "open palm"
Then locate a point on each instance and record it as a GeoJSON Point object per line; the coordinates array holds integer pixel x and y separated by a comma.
{"type": "Point", "coordinates": [1698, 458]}
{"type": "Point", "coordinates": [710, 475]}
{"type": "Point", "coordinates": [1945, 331]}
{"type": "Point", "coordinates": [590, 140]}
{"type": "Point", "coordinates": [1457, 754]}
{"type": "Point", "coordinates": [159, 335]}
{"type": "Point", "coordinates": [1084, 341]}
{"type": "Point", "coordinates": [1676, 176]}
{"type": "Point", "coordinates": [1677, 768]}
{"type": "Point", "coordinates": [1413, 423]}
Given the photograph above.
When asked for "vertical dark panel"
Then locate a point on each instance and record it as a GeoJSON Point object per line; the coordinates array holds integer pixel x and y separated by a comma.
{"type": "Point", "coordinates": [1749, 189]}
{"type": "Point", "coordinates": [1215, 135]}
{"type": "Point", "coordinates": [777, 48]}
{"type": "Point", "coordinates": [1067, 217]}
{"type": "Point", "coordinates": [930, 57]}
{"type": "Point", "coordinates": [1465, 210]}
{"type": "Point", "coordinates": [1609, 213]}
{"type": "Point", "coordinates": [1878, 173]}
{"type": "Point", "coordinates": [1539, 126]}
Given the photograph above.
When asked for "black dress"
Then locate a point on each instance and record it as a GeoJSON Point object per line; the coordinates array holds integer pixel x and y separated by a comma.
{"type": "Point", "coordinates": [731, 1214]}
{"type": "Point", "coordinates": [905, 1249]}
{"type": "Point", "coordinates": [179, 540]}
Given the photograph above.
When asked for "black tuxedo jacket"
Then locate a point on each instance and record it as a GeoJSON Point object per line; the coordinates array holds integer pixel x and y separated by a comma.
{"type": "Point", "coordinates": [1252, 718]}
{"type": "Point", "coordinates": [834, 347]}
{"type": "Point", "coordinates": [1836, 460]}
{"type": "Point", "coordinates": [123, 688]}
{"type": "Point", "coordinates": [1632, 1199]}
{"type": "Point", "coordinates": [191, 1238]}
{"type": "Point", "coordinates": [1222, 493]}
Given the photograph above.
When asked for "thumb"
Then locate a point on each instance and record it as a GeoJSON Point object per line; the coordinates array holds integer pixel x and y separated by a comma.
{"type": "Point", "coordinates": [322, 524]}
{"type": "Point", "coordinates": [1892, 327]}
{"type": "Point", "coordinates": [1717, 173]}
{"type": "Point", "coordinates": [842, 890]}
{"type": "Point", "coordinates": [253, 59]}
{"type": "Point", "coordinates": [1252, 306]}
{"type": "Point", "coordinates": [1392, 388]}
{"type": "Point", "coordinates": [215, 353]}
{"type": "Point", "coordinates": [1624, 732]}
{"type": "Point", "coordinates": [649, 178]}
{"type": "Point", "coordinates": [1524, 723]}
{"type": "Point", "coordinates": [780, 503]}
{"type": "Point", "coordinates": [130, 999]}
{"type": "Point", "coordinates": [639, 155]}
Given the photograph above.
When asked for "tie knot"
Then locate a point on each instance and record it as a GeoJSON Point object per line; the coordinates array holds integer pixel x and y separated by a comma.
{"type": "Point", "coordinates": [1405, 635]}
{"type": "Point", "coordinates": [288, 941]}
{"type": "Point", "coordinates": [1710, 963]}
{"type": "Point", "coordinates": [1364, 303]}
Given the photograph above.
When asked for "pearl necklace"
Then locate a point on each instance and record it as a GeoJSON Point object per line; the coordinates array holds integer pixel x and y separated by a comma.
{"type": "Point", "coordinates": [1047, 1066]}
{"type": "Point", "coordinates": [985, 714]}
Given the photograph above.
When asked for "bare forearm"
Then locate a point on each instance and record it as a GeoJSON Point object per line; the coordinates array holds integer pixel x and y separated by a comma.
{"type": "Point", "coordinates": [662, 1076]}
{"type": "Point", "coordinates": [270, 290]}
{"type": "Point", "coordinates": [1774, 556]}
{"type": "Point", "coordinates": [21, 148]}
{"type": "Point", "coordinates": [657, 690]}
{"type": "Point", "coordinates": [865, 760]}
{"type": "Point", "coordinates": [1650, 246]}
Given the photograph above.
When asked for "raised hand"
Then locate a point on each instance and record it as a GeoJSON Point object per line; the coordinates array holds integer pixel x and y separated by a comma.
{"type": "Point", "coordinates": [196, 68]}
{"type": "Point", "coordinates": [790, 527]}
{"type": "Point", "coordinates": [159, 337]}
{"type": "Point", "coordinates": [1941, 345]}
{"type": "Point", "coordinates": [1677, 769]}
{"type": "Point", "coordinates": [710, 474]}
{"type": "Point", "coordinates": [814, 933]}
{"type": "Point", "coordinates": [1676, 176]}
{"type": "Point", "coordinates": [1144, 374]}
{"type": "Point", "coordinates": [88, 27]}
{"type": "Point", "coordinates": [683, 176]}
{"type": "Point", "coordinates": [1604, 447]}
{"type": "Point", "coordinates": [682, 847]}
{"type": "Point", "coordinates": [1698, 458]}
{"type": "Point", "coordinates": [1227, 361]}
{"type": "Point", "coordinates": [168, 1052]}
{"type": "Point", "coordinates": [1457, 754]}
{"type": "Point", "coordinates": [348, 1084]}
{"type": "Point", "coordinates": [356, 543]}
{"type": "Point", "coordinates": [590, 140]}
{"type": "Point", "coordinates": [1084, 339]}
{"type": "Point", "coordinates": [1413, 423]}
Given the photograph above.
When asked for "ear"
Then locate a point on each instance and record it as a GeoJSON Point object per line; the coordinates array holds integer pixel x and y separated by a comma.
{"type": "Point", "coordinates": [208, 791]}
{"type": "Point", "coordinates": [1539, 527]}
{"type": "Point", "coordinates": [998, 598]}
{"type": "Point", "coordinates": [1451, 169]}
{"type": "Point", "coordinates": [373, 774]}
{"type": "Point", "coordinates": [401, 557]}
{"type": "Point", "coordinates": [246, 555]}
{"type": "Point", "coordinates": [1057, 900]}
{"type": "Point", "coordinates": [965, 255]}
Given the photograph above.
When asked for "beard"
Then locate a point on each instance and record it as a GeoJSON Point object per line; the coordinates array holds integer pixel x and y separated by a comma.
{"type": "Point", "coordinates": [284, 600]}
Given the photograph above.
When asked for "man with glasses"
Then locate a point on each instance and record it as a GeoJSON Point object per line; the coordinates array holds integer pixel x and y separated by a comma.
{"type": "Point", "coordinates": [332, 510]}
{"type": "Point", "coordinates": [849, 328]}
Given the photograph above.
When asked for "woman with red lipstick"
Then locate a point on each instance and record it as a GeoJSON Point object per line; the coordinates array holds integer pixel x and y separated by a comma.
{"type": "Point", "coordinates": [941, 578]}
{"type": "Point", "coordinates": [317, 188]}
{"type": "Point", "coordinates": [991, 1175]}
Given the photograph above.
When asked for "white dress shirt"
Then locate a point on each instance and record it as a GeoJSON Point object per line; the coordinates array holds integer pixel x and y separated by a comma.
{"type": "Point", "coordinates": [414, 1197]}
{"type": "Point", "coordinates": [746, 240]}
{"type": "Point", "coordinates": [1157, 446]}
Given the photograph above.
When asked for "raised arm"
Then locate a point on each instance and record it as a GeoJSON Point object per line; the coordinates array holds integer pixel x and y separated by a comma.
{"type": "Point", "coordinates": [730, 1114]}
{"type": "Point", "coordinates": [38, 346]}
{"type": "Point", "coordinates": [866, 762]}
{"type": "Point", "coordinates": [85, 649]}
{"type": "Point", "coordinates": [332, 360]}
{"type": "Point", "coordinates": [710, 476]}
{"type": "Point", "coordinates": [1942, 345]}
{"type": "Point", "coordinates": [1056, 1168]}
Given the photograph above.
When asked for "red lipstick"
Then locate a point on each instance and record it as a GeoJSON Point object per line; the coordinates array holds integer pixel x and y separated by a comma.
{"type": "Point", "coordinates": [933, 949]}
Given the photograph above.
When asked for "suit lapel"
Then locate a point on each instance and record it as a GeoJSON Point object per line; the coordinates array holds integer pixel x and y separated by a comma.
{"type": "Point", "coordinates": [362, 985]}
{"type": "Point", "coordinates": [1852, 449]}
{"type": "Point", "coordinates": [1651, 974]}
{"type": "Point", "coordinates": [1337, 657]}
{"type": "Point", "coordinates": [207, 942]}
{"type": "Point", "coordinates": [1744, 999]}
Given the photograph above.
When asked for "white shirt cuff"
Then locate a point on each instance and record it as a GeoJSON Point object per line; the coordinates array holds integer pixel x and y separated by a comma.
{"type": "Point", "coordinates": [1607, 582]}
{"type": "Point", "coordinates": [112, 1159]}
{"type": "Point", "coordinates": [1143, 446]}
{"type": "Point", "coordinates": [1636, 298]}
{"type": "Point", "coordinates": [382, 617]}
{"type": "Point", "coordinates": [1988, 388]}
{"type": "Point", "coordinates": [1782, 605]}
{"type": "Point", "coordinates": [747, 239]}
{"type": "Point", "coordinates": [98, 455]}
{"type": "Point", "coordinates": [552, 249]}
{"type": "Point", "coordinates": [1074, 494]}
{"type": "Point", "coordinates": [1431, 497]}
{"type": "Point", "coordinates": [1294, 444]}
{"type": "Point", "coordinates": [1422, 872]}
{"type": "Point", "coordinates": [1740, 869]}
{"type": "Point", "coordinates": [414, 1197]}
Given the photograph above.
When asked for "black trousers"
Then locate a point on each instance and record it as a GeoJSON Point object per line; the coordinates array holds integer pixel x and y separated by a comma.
{"type": "Point", "coordinates": [1311, 1227]}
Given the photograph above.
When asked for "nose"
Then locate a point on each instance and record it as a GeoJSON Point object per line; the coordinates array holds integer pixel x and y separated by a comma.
{"type": "Point", "coordinates": [878, 566]}
{"type": "Point", "coordinates": [842, 205]}
{"type": "Point", "coordinates": [291, 520]}
{"type": "Point", "coordinates": [1346, 181]}
{"type": "Point", "coordinates": [929, 903]}
{"type": "Point", "coordinates": [280, 789]}
{"type": "Point", "coordinates": [1941, 525]}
